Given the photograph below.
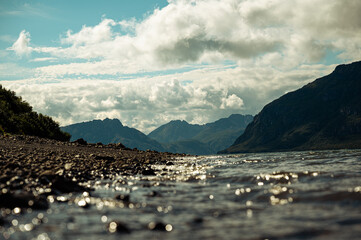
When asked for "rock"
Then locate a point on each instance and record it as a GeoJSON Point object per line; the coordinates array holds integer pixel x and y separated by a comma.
{"type": "Point", "coordinates": [124, 198]}
{"type": "Point", "coordinates": [64, 185]}
{"type": "Point", "coordinates": [81, 141]}
{"type": "Point", "coordinates": [23, 200]}
{"type": "Point", "coordinates": [109, 158]}
{"type": "Point", "coordinates": [159, 226]}
{"type": "Point", "coordinates": [119, 227]}
{"type": "Point", "coordinates": [148, 172]}
{"type": "Point", "coordinates": [154, 194]}
{"type": "Point", "coordinates": [3, 222]}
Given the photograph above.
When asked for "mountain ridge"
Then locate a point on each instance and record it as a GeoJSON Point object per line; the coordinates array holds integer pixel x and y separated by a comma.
{"type": "Point", "coordinates": [324, 114]}
{"type": "Point", "coordinates": [207, 138]}
{"type": "Point", "coordinates": [181, 136]}
{"type": "Point", "coordinates": [112, 131]}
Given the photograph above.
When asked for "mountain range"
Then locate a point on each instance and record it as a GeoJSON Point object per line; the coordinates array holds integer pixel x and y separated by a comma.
{"type": "Point", "coordinates": [176, 136]}
{"type": "Point", "coordinates": [112, 131]}
{"type": "Point", "coordinates": [324, 114]}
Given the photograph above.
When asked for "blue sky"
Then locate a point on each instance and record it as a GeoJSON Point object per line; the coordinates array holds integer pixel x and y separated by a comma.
{"type": "Point", "coordinates": [147, 62]}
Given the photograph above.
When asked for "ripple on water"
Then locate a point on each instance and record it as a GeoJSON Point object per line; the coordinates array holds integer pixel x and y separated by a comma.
{"type": "Point", "coordinates": [296, 195]}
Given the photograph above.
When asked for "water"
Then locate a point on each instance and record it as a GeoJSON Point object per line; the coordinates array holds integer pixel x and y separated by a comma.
{"type": "Point", "coordinates": [295, 195]}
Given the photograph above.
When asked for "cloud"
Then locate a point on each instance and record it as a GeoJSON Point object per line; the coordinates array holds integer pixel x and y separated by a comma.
{"type": "Point", "coordinates": [288, 33]}
{"type": "Point", "coordinates": [44, 59]}
{"type": "Point", "coordinates": [146, 103]}
{"type": "Point", "coordinates": [21, 45]}
{"type": "Point", "coordinates": [232, 101]}
{"type": "Point", "coordinates": [229, 56]}
{"type": "Point", "coordinates": [91, 35]}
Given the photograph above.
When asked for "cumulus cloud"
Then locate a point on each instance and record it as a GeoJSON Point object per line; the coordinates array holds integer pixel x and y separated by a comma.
{"type": "Point", "coordinates": [149, 102]}
{"type": "Point", "coordinates": [289, 33]}
{"type": "Point", "coordinates": [232, 101]}
{"type": "Point", "coordinates": [21, 45]}
{"type": "Point", "coordinates": [270, 47]}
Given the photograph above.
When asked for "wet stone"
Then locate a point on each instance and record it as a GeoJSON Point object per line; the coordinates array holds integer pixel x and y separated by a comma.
{"type": "Point", "coordinates": [109, 158]}
{"type": "Point", "coordinates": [65, 185]}
{"type": "Point", "coordinates": [148, 172]}
{"type": "Point", "coordinates": [159, 226]}
{"type": "Point", "coordinates": [154, 194]}
{"type": "Point", "coordinates": [80, 141]}
{"type": "Point", "coordinates": [124, 198]}
{"type": "Point", "coordinates": [118, 227]}
{"type": "Point", "coordinates": [23, 200]}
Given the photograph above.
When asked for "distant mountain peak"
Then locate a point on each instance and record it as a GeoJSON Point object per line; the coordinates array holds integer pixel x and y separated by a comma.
{"type": "Point", "coordinates": [113, 121]}
{"type": "Point", "coordinates": [112, 131]}
{"type": "Point", "coordinates": [349, 68]}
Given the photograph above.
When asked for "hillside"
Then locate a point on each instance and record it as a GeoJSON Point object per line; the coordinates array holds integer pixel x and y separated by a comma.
{"type": "Point", "coordinates": [324, 114]}
{"type": "Point", "coordinates": [112, 131]}
{"type": "Point", "coordinates": [18, 117]}
{"type": "Point", "coordinates": [223, 132]}
{"type": "Point", "coordinates": [180, 136]}
{"type": "Point", "coordinates": [176, 130]}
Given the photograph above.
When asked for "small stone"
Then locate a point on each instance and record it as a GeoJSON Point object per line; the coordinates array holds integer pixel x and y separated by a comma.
{"type": "Point", "coordinates": [154, 194]}
{"type": "Point", "coordinates": [119, 227]}
{"type": "Point", "coordinates": [81, 141]}
{"type": "Point", "coordinates": [124, 198]}
{"type": "Point", "coordinates": [159, 226]}
{"type": "Point", "coordinates": [148, 172]}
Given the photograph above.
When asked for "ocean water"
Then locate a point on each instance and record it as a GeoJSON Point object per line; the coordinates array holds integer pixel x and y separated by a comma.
{"type": "Point", "coordinates": [292, 195]}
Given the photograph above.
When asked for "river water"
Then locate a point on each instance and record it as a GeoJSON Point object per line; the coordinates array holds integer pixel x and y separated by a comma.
{"type": "Point", "coordinates": [293, 195]}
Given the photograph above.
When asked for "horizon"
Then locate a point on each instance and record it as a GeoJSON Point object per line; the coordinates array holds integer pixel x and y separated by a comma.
{"type": "Point", "coordinates": [149, 62]}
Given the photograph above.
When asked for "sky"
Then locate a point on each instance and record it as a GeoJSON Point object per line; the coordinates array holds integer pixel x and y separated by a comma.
{"type": "Point", "coordinates": [147, 62]}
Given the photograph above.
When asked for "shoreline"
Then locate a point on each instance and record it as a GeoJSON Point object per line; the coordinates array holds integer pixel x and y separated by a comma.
{"type": "Point", "coordinates": [33, 168]}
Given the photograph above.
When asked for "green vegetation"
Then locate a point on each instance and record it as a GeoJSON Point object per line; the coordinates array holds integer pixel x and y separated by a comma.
{"type": "Point", "coordinates": [17, 117]}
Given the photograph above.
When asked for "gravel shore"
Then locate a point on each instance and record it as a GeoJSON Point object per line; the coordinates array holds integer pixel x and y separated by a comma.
{"type": "Point", "coordinates": [33, 168]}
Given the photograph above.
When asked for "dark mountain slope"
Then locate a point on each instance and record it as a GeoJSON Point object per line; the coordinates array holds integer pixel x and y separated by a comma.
{"type": "Point", "coordinates": [176, 130]}
{"type": "Point", "coordinates": [112, 131]}
{"type": "Point", "coordinates": [180, 136]}
{"type": "Point", "coordinates": [223, 132]}
{"type": "Point", "coordinates": [324, 114]}
{"type": "Point", "coordinates": [18, 117]}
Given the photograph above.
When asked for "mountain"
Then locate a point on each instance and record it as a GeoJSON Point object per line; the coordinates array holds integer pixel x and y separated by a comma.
{"type": "Point", "coordinates": [223, 132]}
{"type": "Point", "coordinates": [175, 131]}
{"type": "Point", "coordinates": [189, 146]}
{"type": "Point", "coordinates": [324, 114]}
{"type": "Point", "coordinates": [180, 136]}
{"type": "Point", "coordinates": [112, 131]}
{"type": "Point", "coordinates": [18, 117]}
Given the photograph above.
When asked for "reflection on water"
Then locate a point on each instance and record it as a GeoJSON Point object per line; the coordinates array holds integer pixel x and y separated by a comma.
{"type": "Point", "coordinates": [295, 195]}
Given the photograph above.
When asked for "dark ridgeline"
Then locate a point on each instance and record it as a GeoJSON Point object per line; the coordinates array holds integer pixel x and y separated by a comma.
{"type": "Point", "coordinates": [324, 114]}
{"type": "Point", "coordinates": [112, 131]}
{"type": "Point", "coordinates": [18, 117]}
{"type": "Point", "coordinates": [175, 136]}
{"type": "Point", "coordinates": [175, 130]}
{"type": "Point", "coordinates": [180, 136]}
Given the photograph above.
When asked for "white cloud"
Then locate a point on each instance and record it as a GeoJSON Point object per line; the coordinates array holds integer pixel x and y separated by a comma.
{"type": "Point", "coordinates": [21, 45]}
{"type": "Point", "coordinates": [91, 35]}
{"type": "Point", "coordinates": [289, 33]}
{"type": "Point", "coordinates": [44, 59]}
{"type": "Point", "coordinates": [149, 102]}
{"type": "Point", "coordinates": [275, 46]}
{"type": "Point", "coordinates": [232, 101]}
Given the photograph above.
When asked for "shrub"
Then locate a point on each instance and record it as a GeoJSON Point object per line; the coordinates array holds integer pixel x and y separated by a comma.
{"type": "Point", "coordinates": [17, 117]}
